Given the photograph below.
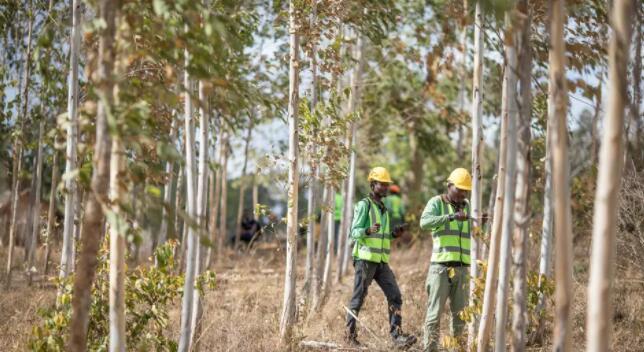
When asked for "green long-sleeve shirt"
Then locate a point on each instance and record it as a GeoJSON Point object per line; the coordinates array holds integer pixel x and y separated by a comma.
{"type": "Point", "coordinates": [361, 221]}
{"type": "Point", "coordinates": [432, 216]}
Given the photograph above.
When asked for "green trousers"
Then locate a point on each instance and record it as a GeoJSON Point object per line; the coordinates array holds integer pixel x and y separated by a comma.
{"type": "Point", "coordinates": [441, 286]}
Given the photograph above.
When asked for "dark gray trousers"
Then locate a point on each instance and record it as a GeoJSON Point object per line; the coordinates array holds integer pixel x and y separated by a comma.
{"type": "Point", "coordinates": [365, 272]}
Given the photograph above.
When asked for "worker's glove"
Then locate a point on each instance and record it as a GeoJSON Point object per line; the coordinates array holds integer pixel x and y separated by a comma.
{"type": "Point", "coordinates": [373, 229]}
{"type": "Point", "coordinates": [460, 216]}
{"type": "Point", "coordinates": [399, 230]}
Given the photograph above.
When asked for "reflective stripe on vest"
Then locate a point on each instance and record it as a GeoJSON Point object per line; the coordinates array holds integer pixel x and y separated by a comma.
{"type": "Point", "coordinates": [377, 246]}
{"type": "Point", "coordinates": [452, 240]}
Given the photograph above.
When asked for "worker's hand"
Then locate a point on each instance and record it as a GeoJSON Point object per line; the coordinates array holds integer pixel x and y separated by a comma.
{"type": "Point", "coordinates": [484, 219]}
{"type": "Point", "coordinates": [460, 216]}
{"type": "Point", "coordinates": [399, 230]}
{"type": "Point", "coordinates": [373, 229]}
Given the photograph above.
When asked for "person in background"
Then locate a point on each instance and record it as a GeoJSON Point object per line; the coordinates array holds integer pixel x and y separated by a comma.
{"type": "Point", "coordinates": [394, 203]}
{"type": "Point", "coordinates": [337, 217]}
{"type": "Point", "coordinates": [372, 235]}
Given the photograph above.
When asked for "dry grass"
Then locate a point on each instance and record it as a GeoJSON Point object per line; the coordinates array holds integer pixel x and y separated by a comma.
{"type": "Point", "coordinates": [243, 312]}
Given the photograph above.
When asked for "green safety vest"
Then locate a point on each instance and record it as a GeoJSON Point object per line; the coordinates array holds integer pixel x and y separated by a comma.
{"type": "Point", "coordinates": [452, 240]}
{"type": "Point", "coordinates": [394, 203]}
{"type": "Point", "coordinates": [376, 246]}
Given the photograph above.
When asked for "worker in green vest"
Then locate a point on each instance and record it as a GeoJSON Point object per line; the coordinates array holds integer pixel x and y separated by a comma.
{"type": "Point", "coordinates": [337, 218]}
{"type": "Point", "coordinates": [371, 232]}
{"type": "Point", "coordinates": [394, 203]}
{"type": "Point", "coordinates": [447, 216]}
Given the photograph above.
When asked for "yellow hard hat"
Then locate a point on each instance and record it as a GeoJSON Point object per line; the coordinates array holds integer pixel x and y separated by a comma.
{"type": "Point", "coordinates": [379, 174]}
{"type": "Point", "coordinates": [461, 179]}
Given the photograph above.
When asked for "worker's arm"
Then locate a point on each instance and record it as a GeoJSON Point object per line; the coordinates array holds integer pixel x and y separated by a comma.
{"type": "Point", "coordinates": [360, 222]}
{"type": "Point", "coordinates": [432, 215]}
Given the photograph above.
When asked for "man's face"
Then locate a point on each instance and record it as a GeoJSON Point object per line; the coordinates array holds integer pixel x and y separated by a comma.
{"type": "Point", "coordinates": [456, 195]}
{"type": "Point", "coordinates": [380, 188]}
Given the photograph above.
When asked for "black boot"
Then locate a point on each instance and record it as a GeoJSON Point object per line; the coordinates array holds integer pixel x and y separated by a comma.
{"type": "Point", "coordinates": [352, 339]}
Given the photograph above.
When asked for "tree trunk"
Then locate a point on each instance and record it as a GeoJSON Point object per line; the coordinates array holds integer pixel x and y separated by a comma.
{"type": "Point", "coordinates": [35, 208]}
{"type": "Point", "coordinates": [51, 214]}
{"type": "Point", "coordinates": [202, 182]}
{"type": "Point", "coordinates": [522, 195]}
{"type": "Point", "coordinates": [167, 191]}
{"type": "Point", "coordinates": [495, 240]}
{"type": "Point", "coordinates": [510, 112]}
{"type": "Point", "coordinates": [255, 193]}
{"type": "Point", "coordinates": [71, 192]}
{"type": "Point", "coordinates": [242, 185]}
{"type": "Point", "coordinates": [546, 235]}
{"type": "Point", "coordinates": [356, 89]}
{"type": "Point", "coordinates": [561, 188]}
{"type": "Point", "coordinates": [92, 231]}
{"type": "Point", "coordinates": [315, 173]}
{"type": "Point", "coordinates": [602, 264]}
{"type": "Point", "coordinates": [223, 205]}
{"type": "Point", "coordinates": [328, 254]}
{"type": "Point", "coordinates": [477, 148]}
{"type": "Point", "coordinates": [192, 244]}
{"type": "Point", "coordinates": [18, 147]}
{"type": "Point", "coordinates": [290, 277]}
{"type": "Point", "coordinates": [215, 193]}
{"type": "Point", "coordinates": [117, 247]}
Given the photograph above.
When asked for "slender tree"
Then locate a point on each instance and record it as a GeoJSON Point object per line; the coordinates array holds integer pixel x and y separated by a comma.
{"type": "Point", "coordinates": [242, 178]}
{"type": "Point", "coordinates": [477, 148]}
{"type": "Point", "coordinates": [223, 204]}
{"type": "Point", "coordinates": [215, 192]}
{"type": "Point", "coordinates": [354, 101]}
{"type": "Point", "coordinates": [522, 195]}
{"type": "Point", "coordinates": [315, 172]}
{"type": "Point", "coordinates": [561, 188]}
{"type": "Point", "coordinates": [288, 310]}
{"type": "Point", "coordinates": [35, 231]}
{"type": "Point", "coordinates": [489, 295]}
{"type": "Point", "coordinates": [17, 156]}
{"type": "Point", "coordinates": [71, 192]}
{"type": "Point", "coordinates": [167, 189]}
{"type": "Point", "coordinates": [117, 194]}
{"type": "Point", "coordinates": [51, 213]}
{"type": "Point", "coordinates": [202, 182]}
{"type": "Point", "coordinates": [93, 218]}
{"type": "Point", "coordinates": [510, 115]}
{"type": "Point", "coordinates": [192, 243]}
{"type": "Point", "coordinates": [602, 264]}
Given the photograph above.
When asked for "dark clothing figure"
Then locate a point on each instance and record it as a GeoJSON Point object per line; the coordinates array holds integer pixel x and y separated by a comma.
{"type": "Point", "coordinates": [250, 229]}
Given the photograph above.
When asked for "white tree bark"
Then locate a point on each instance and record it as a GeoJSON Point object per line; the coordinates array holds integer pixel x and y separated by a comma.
{"type": "Point", "coordinates": [71, 192]}
{"type": "Point", "coordinates": [51, 213]}
{"type": "Point", "coordinates": [315, 172]}
{"type": "Point", "coordinates": [202, 182]}
{"type": "Point", "coordinates": [561, 187]}
{"type": "Point", "coordinates": [356, 89]}
{"type": "Point", "coordinates": [117, 248]}
{"type": "Point", "coordinates": [602, 264]}
{"type": "Point", "coordinates": [328, 254]}
{"type": "Point", "coordinates": [185, 338]}
{"type": "Point", "coordinates": [489, 294]}
{"type": "Point", "coordinates": [522, 195]}
{"type": "Point", "coordinates": [18, 148]}
{"type": "Point", "coordinates": [477, 148]}
{"type": "Point", "coordinates": [242, 186]}
{"type": "Point", "coordinates": [509, 96]}
{"type": "Point", "coordinates": [167, 189]}
{"type": "Point", "coordinates": [215, 191]}
{"type": "Point", "coordinates": [223, 204]}
{"type": "Point", "coordinates": [288, 311]}
{"type": "Point", "coordinates": [35, 231]}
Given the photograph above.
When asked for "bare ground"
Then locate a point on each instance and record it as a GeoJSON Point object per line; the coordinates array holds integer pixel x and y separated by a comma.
{"type": "Point", "coordinates": [243, 312]}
